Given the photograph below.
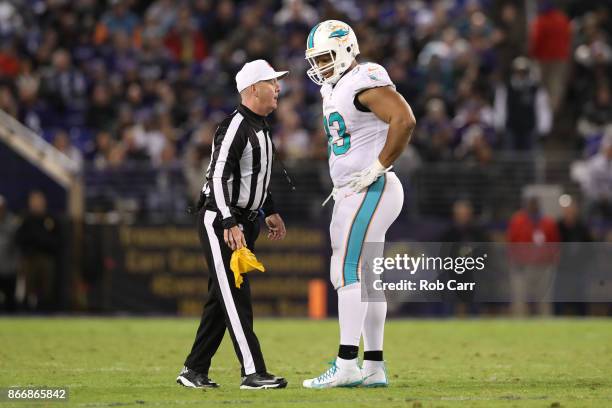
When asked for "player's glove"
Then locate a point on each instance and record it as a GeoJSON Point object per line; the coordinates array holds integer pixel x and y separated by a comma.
{"type": "Point", "coordinates": [362, 179]}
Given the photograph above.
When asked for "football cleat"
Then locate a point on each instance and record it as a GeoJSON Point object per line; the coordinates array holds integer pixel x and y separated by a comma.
{"type": "Point", "coordinates": [262, 381]}
{"type": "Point", "coordinates": [346, 375]}
{"type": "Point", "coordinates": [375, 375]}
{"type": "Point", "coordinates": [192, 379]}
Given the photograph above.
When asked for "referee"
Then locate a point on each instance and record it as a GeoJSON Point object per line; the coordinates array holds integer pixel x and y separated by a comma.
{"type": "Point", "coordinates": [235, 193]}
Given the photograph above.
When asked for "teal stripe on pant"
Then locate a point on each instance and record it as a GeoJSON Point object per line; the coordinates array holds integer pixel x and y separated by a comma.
{"type": "Point", "coordinates": [360, 228]}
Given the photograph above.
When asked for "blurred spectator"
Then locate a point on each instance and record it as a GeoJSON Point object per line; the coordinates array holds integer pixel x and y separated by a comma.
{"type": "Point", "coordinates": [67, 25]}
{"type": "Point", "coordinates": [39, 240]}
{"type": "Point", "coordinates": [65, 87]}
{"type": "Point", "coordinates": [7, 101]}
{"type": "Point", "coordinates": [9, 61]}
{"type": "Point", "coordinates": [474, 146]}
{"type": "Point", "coordinates": [163, 15]}
{"type": "Point", "coordinates": [253, 40]}
{"type": "Point", "coordinates": [571, 226]}
{"type": "Point", "coordinates": [154, 60]}
{"type": "Point", "coordinates": [593, 58]}
{"type": "Point", "coordinates": [184, 41]}
{"type": "Point", "coordinates": [167, 156]}
{"type": "Point", "coordinates": [28, 75]}
{"type": "Point", "coordinates": [404, 77]}
{"type": "Point", "coordinates": [102, 112]}
{"type": "Point", "coordinates": [472, 19]}
{"type": "Point", "coordinates": [197, 158]}
{"type": "Point", "coordinates": [293, 141]}
{"type": "Point", "coordinates": [464, 232]}
{"type": "Point", "coordinates": [481, 43]}
{"type": "Point", "coordinates": [509, 37]}
{"type": "Point", "coordinates": [8, 255]}
{"type": "Point", "coordinates": [296, 13]}
{"type": "Point", "coordinates": [100, 154]}
{"type": "Point", "coordinates": [33, 112]}
{"type": "Point", "coordinates": [118, 18]}
{"type": "Point", "coordinates": [11, 21]}
{"type": "Point", "coordinates": [45, 43]}
{"type": "Point", "coordinates": [125, 118]}
{"type": "Point", "coordinates": [168, 199]}
{"type": "Point", "coordinates": [437, 57]}
{"type": "Point", "coordinates": [84, 51]}
{"type": "Point", "coordinates": [464, 227]}
{"type": "Point", "coordinates": [472, 109]}
{"type": "Point", "coordinates": [122, 56]}
{"type": "Point", "coordinates": [61, 141]}
{"type": "Point", "coordinates": [522, 109]}
{"type": "Point", "coordinates": [529, 225]}
{"type": "Point", "coordinates": [130, 149]}
{"type": "Point", "coordinates": [597, 184]}
{"type": "Point", "coordinates": [474, 133]}
{"type": "Point", "coordinates": [224, 22]}
{"type": "Point", "coordinates": [151, 139]}
{"type": "Point", "coordinates": [136, 102]}
{"type": "Point", "coordinates": [596, 114]}
{"type": "Point", "coordinates": [550, 45]}
{"type": "Point", "coordinates": [532, 257]}
{"type": "Point", "coordinates": [574, 257]}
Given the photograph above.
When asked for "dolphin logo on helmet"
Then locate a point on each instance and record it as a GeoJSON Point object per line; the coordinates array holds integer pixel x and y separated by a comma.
{"type": "Point", "coordinates": [336, 39]}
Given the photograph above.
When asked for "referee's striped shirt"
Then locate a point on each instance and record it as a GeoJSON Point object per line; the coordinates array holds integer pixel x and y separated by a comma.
{"type": "Point", "coordinates": [239, 172]}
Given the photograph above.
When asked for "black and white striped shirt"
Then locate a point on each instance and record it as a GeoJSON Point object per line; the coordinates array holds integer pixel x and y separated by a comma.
{"type": "Point", "coordinates": [238, 175]}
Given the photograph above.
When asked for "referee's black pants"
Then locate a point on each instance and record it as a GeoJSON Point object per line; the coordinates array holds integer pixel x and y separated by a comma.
{"type": "Point", "coordinates": [227, 306]}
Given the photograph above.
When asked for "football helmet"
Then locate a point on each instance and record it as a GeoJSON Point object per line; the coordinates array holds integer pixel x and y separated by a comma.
{"type": "Point", "coordinates": [338, 40]}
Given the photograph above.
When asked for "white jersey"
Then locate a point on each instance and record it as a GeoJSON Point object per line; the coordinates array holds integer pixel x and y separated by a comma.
{"type": "Point", "coordinates": [355, 138]}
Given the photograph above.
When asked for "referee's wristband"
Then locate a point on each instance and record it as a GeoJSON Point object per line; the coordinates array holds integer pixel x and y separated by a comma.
{"type": "Point", "coordinates": [228, 222]}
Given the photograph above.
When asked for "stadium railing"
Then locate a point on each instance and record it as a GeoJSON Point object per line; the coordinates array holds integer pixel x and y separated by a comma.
{"type": "Point", "coordinates": [47, 158]}
{"type": "Point", "coordinates": [139, 192]}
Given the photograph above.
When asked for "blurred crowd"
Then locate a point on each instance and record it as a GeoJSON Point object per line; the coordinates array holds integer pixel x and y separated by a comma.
{"type": "Point", "coordinates": [139, 80]}
{"type": "Point", "coordinates": [133, 81]}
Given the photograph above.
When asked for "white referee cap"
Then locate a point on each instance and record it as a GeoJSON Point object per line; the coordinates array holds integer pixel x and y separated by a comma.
{"type": "Point", "coordinates": [255, 71]}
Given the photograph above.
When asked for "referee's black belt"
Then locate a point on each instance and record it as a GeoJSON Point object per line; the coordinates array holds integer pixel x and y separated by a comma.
{"type": "Point", "coordinates": [241, 213]}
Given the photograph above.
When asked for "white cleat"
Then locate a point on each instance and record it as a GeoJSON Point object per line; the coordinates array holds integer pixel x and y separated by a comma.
{"type": "Point", "coordinates": [345, 373]}
{"type": "Point", "coordinates": [374, 375]}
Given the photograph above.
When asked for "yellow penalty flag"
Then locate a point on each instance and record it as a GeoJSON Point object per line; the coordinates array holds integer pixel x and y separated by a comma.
{"type": "Point", "coordinates": [243, 261]}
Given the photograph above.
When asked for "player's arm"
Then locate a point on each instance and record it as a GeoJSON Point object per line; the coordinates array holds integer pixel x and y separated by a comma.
{"type": "Point", "coordinates": [390, 107]}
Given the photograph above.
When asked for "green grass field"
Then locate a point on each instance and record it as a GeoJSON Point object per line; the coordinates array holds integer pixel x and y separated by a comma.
{"type": "Point", "coordinates": [443, 363]}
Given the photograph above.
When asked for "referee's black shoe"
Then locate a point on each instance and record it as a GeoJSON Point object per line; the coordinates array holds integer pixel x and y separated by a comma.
{"type": "Point", "coordinates": [192, 379]}
{"type": "Point", "coordinates": [262, 381]}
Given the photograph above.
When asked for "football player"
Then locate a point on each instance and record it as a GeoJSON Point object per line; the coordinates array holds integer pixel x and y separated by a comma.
{"type": "Point", "coordinates": [368, 124]}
